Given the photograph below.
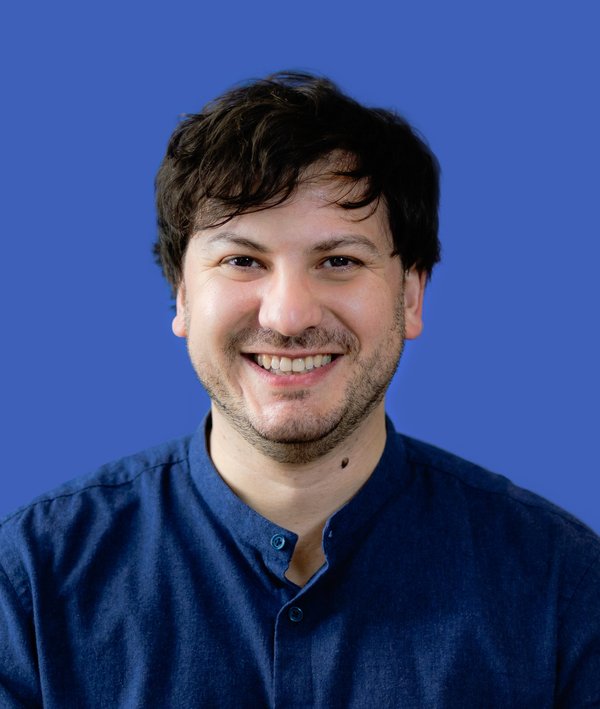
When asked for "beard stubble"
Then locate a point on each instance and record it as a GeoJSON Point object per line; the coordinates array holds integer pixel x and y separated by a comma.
{"type": "Point", "coordinates": [300, 440]}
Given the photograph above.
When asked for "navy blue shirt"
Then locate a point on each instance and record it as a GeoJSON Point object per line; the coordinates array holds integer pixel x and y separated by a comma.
{"type": "Point", "coordinates": [150, 584]}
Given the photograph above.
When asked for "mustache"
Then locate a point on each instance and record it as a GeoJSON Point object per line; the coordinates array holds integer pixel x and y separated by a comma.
{"type": "Point", "coordinates": [311, 339]}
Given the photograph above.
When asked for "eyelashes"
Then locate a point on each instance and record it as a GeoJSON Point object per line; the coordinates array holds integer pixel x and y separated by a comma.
{"type": "Point", "coordinates": [341, 263]}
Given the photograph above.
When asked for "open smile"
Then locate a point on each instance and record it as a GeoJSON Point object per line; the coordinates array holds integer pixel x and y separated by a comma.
{"type": "Point", "coordinates": [292, 365]}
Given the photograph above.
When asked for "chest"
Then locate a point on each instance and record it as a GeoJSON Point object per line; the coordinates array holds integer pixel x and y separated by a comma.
{"type": "Point", "coordinates": [183, 630]}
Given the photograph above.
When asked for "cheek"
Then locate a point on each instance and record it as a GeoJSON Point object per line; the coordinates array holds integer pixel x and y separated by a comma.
{"type": "Point", "coordinates": [372, 314]}
{"type": "Point", "coordinates": [217, 308]}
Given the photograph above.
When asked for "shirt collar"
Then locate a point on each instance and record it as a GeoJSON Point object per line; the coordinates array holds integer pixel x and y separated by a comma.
{"type": "Point", "coordinates": [273, 545]}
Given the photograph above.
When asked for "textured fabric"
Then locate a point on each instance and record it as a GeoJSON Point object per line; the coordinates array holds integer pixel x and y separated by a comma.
{"type": "Point", "coordinates": [150, 584]}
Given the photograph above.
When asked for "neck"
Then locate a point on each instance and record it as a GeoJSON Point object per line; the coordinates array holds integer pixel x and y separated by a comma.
{"type": "Point", "coordinates": [298, 497]}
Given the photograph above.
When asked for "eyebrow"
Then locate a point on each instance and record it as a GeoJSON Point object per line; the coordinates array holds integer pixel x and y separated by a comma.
{"type": "Point", "coordinates": [337, 242]}
{"type": "Point", "coordinates": [334, 242]}
{"type": "Point", "coordinates": [230, 237]}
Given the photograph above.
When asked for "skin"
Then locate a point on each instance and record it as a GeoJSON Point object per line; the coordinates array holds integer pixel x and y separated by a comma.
{"type": "Point", "coordinates": [303, 278]}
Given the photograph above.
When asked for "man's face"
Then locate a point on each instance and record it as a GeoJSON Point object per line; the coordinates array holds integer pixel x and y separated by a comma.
{"type": "Point", "coordinates": [295, 318]}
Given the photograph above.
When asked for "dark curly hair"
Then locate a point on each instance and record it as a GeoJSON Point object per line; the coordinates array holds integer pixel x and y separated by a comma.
{"type": "Point", "coordinates": [248, 150]}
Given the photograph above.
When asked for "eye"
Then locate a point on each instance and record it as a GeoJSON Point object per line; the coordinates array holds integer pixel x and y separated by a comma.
{"type": "Point", "coordinates": [340, 263]}
{"type": "Point", "coordinates": [242, 262]}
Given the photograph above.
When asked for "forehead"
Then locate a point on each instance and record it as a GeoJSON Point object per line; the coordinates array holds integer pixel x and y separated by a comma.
{"type": "Point", "coordinates": [313, 211]}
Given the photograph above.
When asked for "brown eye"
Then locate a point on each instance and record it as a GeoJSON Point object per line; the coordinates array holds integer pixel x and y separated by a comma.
{"type": "Point", "coordinates": [340, 262]}
{"type": "Point", "coordinates": [242, 262]}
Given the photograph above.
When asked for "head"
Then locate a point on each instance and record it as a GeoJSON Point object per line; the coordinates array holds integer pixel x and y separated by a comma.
{"type": "Point", "coordinates": [250, 148]}
{"type": "Point", "coordinates": [297, 229]}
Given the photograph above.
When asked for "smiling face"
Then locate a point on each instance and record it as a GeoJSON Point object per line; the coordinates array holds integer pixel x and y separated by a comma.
{"type": "Point", "coordinates": [295, 318]}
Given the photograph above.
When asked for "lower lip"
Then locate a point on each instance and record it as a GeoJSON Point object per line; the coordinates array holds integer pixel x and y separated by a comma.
{"type": "Point", "coordinates": [290, 380]}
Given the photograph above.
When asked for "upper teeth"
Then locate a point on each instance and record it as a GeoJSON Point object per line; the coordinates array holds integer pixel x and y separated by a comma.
{"type": "Point", "coordinates": [286, 365]}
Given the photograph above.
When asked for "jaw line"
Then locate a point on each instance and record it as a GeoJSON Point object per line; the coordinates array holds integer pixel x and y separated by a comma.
{"type": "Point", "coordinates": [298, 452]}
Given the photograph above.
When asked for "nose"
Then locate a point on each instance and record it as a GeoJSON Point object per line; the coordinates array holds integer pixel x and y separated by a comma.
{"type": "Point", "coordinates": [289, 303]}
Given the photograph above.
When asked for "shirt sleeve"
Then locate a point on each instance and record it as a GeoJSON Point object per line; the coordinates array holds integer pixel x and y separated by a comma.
{"type": "Point", "coordinates": [19, 684]}
{"type": "Point", "coordinates": [579, 645]}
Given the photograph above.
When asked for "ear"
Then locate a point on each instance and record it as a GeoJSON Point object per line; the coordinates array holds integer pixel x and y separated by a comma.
{"type": "Point", "coordinates": [414, 290]}
{"type": "Point", "coordinates": [179, 324]}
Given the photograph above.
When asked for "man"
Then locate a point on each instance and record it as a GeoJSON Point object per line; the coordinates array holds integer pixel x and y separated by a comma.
{"type": "Point", "coordinates": [296, 551]}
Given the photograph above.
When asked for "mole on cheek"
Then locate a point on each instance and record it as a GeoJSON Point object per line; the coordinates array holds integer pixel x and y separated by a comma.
{"type": "Point", "coordinates": [345, 462]}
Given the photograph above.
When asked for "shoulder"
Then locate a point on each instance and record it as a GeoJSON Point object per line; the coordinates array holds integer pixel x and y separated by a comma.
{"type": "Point", "coordinates": [494, 509]}
{"type": "Point", "coordinates": [96, 520]}
{"type": "Point", "coordinates": [119, 483]}
{"type": "Point", "coordinates": [535, 566]}
{"type": "Point", "coordinates": [453, 471]}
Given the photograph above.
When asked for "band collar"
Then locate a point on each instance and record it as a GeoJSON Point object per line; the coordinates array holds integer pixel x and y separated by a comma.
{"type": "Point", "coordinates": [270, 545]}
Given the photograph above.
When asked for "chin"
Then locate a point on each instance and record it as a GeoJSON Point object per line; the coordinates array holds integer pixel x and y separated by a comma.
{"type": "Point", "coordinates": [298, 439]}
{"type": "Point", "coordinates": [291, 452]}
{"type": "Point", "coordinates": [291, 433]}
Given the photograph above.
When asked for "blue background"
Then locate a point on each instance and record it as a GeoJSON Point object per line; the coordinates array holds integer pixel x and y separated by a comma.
{"type": "Point", "coordinates": [506, 372]}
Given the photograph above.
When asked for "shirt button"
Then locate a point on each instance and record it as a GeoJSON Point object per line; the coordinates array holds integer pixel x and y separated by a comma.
{"type": "Point", "coordinates": [278, 541]}
{"type": "Point", "coordinates": [295, 614]}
